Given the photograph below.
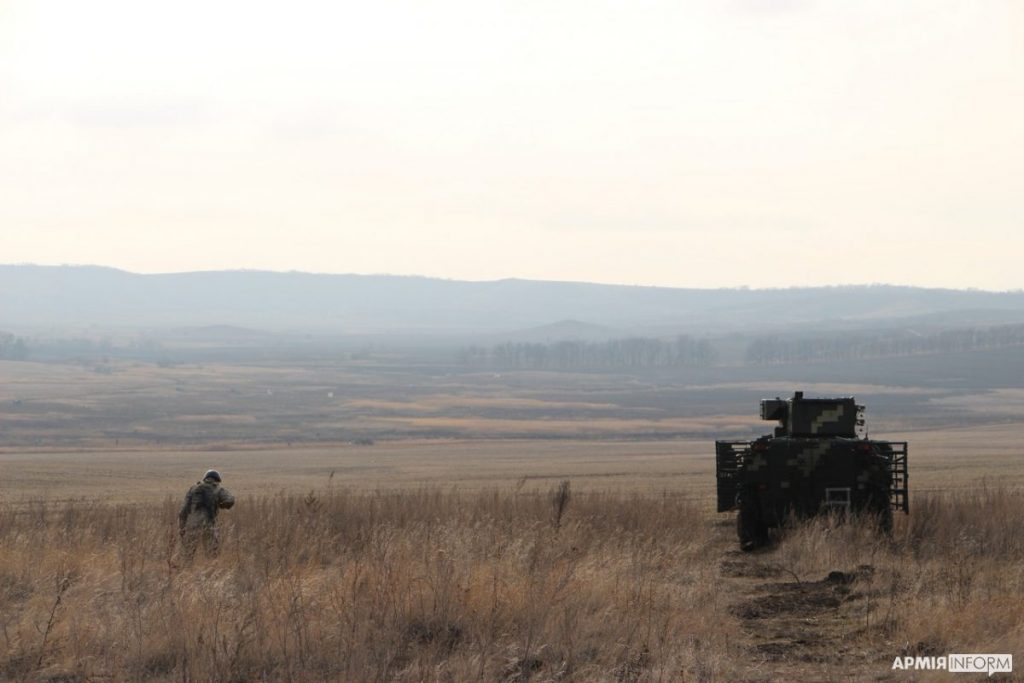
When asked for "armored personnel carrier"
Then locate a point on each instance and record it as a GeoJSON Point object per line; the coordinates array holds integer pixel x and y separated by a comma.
{"type": "Point", "coordinates": [819, 459]}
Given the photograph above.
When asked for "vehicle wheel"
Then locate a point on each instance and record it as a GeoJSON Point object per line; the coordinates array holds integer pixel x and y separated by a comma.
{"type": "Point", "coordinates": [749, 527]}
{"type": "Point", "coordinates": [885, 518]}
{"type": "Point", "coordinates": [881, 507]}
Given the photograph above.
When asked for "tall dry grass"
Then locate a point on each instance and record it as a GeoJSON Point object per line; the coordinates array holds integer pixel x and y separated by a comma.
{"type": "Point", "coordinates": [442, 585]}
{"type": "Point", "coordinates": [428, 585]}
{"type": "Point", "coordinates": [949, 579]}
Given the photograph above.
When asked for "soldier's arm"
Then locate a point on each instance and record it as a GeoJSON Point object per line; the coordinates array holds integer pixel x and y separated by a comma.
{"type": "Point", "coordinates": [224, 498]}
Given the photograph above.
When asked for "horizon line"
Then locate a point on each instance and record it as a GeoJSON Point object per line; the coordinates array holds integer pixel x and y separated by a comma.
{"type": "Point", "coordinates": [737, 287]}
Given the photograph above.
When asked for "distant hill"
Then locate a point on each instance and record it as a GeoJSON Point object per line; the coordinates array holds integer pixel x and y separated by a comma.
{"type": "Point", "coordinates": [49, 297]}
{"type": "Point", "coordinates": [218, 333]}
{"type": "Point", "coordinates": [564, 330]}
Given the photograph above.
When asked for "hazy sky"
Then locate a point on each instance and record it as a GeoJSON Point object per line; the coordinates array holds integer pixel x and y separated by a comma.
{"type": "Point", "coordinates": [726, 142]}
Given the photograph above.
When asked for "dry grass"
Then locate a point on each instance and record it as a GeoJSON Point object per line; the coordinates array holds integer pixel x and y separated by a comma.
{"type": "Point", "coordinates": [939, 460]}
{"type": "Point", "coordinates": [424, 585]}
{"type": "Point", "coordinates": [608, 427]}
{"type": "Point", "coordinates": [950, 579]}
{"type": "Point", "coordinates": [152, 474]}
{"type": "Point", "coordinates": [499, 585]}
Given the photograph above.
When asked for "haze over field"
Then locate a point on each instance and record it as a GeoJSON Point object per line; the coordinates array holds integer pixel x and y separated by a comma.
{"type": "Point", "coordinates": [33, 297]}
{"type": "Point", "coordinates": [695, 144]}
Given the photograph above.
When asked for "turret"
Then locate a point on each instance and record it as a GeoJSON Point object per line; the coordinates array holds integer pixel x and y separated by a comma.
{"type": "Point", "coordinates": [815, 417]}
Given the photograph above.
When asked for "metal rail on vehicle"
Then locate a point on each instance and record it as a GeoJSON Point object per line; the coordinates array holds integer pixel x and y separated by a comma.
{"type": "Point", "coordinates": [729, 456]}
{"type": "Point", "coordinates": [898, 488]}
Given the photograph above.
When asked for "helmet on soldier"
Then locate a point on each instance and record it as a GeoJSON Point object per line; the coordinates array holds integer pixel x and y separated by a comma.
{"type": "Point", "coordinates": [213, 475]}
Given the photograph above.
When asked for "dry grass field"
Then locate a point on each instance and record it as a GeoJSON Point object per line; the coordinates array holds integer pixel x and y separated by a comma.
{"type": "Point", "coordinates": [941, 460]}
{"type": "Point", "coordinates": [500, 585]}
{"type": "Point", "coordinates": [442, 551]}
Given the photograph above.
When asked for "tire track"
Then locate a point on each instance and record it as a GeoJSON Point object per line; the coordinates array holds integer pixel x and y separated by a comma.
{"type": "Point", "coordinates": [800, 630]}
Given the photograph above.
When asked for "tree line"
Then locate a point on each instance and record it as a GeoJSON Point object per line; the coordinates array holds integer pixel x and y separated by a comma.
{"type": "Point", "coordinates": [12, 348]}
{"type": "Point", "coordinates": [633, 352]}
{"type": "Point", "coordinates": [768, 350]}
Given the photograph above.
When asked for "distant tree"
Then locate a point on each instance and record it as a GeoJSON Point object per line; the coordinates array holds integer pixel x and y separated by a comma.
{"type": "Point", "coordinates": [12, 347]}
{"type": "Point", "coordinates": [632, 352]}
{"type": "Point", "coordinates": [766, 350]}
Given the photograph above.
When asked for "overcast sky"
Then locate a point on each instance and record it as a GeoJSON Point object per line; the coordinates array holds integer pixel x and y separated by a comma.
{"type": "Point", "coordinates": [717, 143]}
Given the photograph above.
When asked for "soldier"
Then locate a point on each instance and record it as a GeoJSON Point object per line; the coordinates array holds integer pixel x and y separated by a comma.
{"type": "Point", "coordinates": [197, 520]}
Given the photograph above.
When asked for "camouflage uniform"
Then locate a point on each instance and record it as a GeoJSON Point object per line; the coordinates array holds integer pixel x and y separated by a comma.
{"type": "Point", "coordinates": [197, 519]}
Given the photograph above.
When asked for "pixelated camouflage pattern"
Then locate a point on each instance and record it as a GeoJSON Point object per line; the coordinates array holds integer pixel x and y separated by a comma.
{"type": "Point", "coordinates": [793, 475]}
{"type": "Point", "coordinates": [816, 460]}
{"type": "Point", "coordinates": [202, 503]}
{"type": "Point", "coordinates": [197, 518]}
{"type": "Point", "coordinates": [823, 418]}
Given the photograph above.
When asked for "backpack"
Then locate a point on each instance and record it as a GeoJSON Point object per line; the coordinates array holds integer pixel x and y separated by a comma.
{"type": "Point", "coordinates": [203, 497]}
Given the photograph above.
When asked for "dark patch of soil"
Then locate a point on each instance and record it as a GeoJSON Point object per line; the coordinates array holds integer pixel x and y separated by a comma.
{"type": "Point", "coordinates": [739, 564]}
{"type": "Point", "coordinates": [800, 629]}
{"type": "Point", "coordinates": [795, 598]}
{"type": "Point", "coordinates": [785, 650]}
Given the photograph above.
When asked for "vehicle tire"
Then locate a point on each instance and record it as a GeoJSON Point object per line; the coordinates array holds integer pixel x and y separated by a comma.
{"type": "Point", "coordinates": [880, 506]}
{"type": "Point", "coordinates": [749, 526]}
{"type": "Point", "coordinates": [885, 518]}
